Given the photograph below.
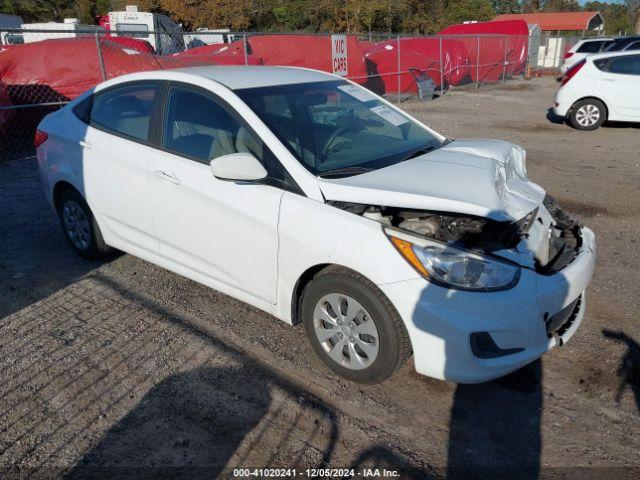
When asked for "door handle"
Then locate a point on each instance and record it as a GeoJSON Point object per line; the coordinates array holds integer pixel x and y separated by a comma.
{"type": "Point", "coordinates": [168, 177]}
{"type": "Point", "coordinates": [84, 144]}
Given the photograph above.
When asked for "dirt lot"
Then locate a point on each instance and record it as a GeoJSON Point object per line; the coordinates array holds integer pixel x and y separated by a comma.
{"type": "Point", "coordinates": [124, 369]}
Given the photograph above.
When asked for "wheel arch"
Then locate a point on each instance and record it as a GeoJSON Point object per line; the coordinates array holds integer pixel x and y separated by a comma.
{"type": "Point", "coordinates": [58, 189]}
{"type": "Point", "coordinates": [590, 97]}
{"type": "Point", "coordinates": [306, 278]}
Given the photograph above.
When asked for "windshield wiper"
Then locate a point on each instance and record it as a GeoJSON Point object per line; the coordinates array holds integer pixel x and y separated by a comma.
{"type": "Point", "coordinates": [344, 172]}
{"type": "Point", "coordinates": [418, 152]}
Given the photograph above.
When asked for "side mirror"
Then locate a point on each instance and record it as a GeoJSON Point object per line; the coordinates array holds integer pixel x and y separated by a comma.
{"type": "Point", "coordinates": [242, 167]}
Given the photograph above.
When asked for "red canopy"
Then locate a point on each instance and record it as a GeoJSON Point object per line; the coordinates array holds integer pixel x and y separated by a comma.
{"type": "Point", "coordinates": [218, 54]}
{"type": "Point", "coordinates": [494, 48]}
{"type": "Point", "coordinates": [309, 51]}
{"type": "Point", "coordinates": [5, 101]}
{"type": "Point", "coordinates": [571, 21]}
{"type": "Point", "coordinates": [421, 54]}
{"type": "Point", "coordinates": [62, 69]}
{"type": "Point", "coordinates": [133, 43]}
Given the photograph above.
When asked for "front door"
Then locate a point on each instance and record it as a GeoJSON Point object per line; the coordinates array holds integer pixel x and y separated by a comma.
{"type": "Point", "coordinates": [224, 230]}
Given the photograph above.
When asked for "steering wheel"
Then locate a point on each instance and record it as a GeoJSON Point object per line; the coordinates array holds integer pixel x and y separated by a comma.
{"type": "Point", "coordinates": [328, 147]}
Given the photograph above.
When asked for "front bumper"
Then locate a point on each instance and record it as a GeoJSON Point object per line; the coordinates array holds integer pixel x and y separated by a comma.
{"type": "Point", "coordinates": [440, 321]}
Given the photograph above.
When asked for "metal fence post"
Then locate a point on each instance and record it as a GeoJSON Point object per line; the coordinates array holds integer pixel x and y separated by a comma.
{"type": "Point", "coordinates": [478, 65]}
{"type": "Point", "coordinates": [441, 71]}
{"type": "Point", "coordinates": [244, 47]}
{"type": "Point", "coordinates": [100, 59]}
{"type": "Point", "coordinates": [398, 67]}
{"type": "Point", "coordinates": [504, 64]}
{"type": "Point", "coordinates": [546, 52]}
{"type": "Point", "coordinates": [558, 53]}
{"type": "Point", "coordinates": [527, 64]}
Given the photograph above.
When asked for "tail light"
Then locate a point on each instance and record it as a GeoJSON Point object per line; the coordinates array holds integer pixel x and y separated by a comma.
{"type": "Point", "coordinates": [568, 55]}
{"type": "Point", "coordinates": [40, 138]}
{"type": "Point", "coordinates": [572, 72]}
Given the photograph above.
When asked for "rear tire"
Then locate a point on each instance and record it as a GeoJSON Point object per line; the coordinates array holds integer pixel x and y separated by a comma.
{"type": "Point", "coordinates": [365, 341]}
{"type": "Point", "coordinates": [588, 114]}
{"type": "Point", "coordinates": [80, 227]}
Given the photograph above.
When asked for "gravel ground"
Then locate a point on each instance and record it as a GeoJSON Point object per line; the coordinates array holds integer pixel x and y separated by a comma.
{"type": "Point", "coordinates": [122, 369]}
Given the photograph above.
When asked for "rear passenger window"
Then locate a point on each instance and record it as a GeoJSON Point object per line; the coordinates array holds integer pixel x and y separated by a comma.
{"type": "Point", "coordinates": [590, 47]}
{"type": "Point", "coordinates": [125, 110]}
{"type": "Point", "coordinates": [601, 63]}
{"type": "Point", "coordinates": [627, 65]}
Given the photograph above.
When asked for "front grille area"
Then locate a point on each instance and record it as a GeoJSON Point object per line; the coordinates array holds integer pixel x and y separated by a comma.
{"type": "Point", "coordinates": [559, 323]}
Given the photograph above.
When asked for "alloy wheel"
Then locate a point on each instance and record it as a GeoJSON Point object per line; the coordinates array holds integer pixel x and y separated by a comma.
{"type": "Point", "coordinates": [76, 225]}
{"type": "Point", "coordinates": [588, 115]}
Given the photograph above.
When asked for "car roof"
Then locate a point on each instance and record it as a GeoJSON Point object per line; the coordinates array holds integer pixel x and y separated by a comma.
{"type": "Point", "coordinates": [596, 39]}
{"type": "Point", "coordinates": [614, 54]}
{"type": "Point", "coordinates": [238, 77]}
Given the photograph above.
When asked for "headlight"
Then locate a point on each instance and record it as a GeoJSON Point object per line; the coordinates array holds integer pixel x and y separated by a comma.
{"type": "Point", "coordinates": [453, 267]}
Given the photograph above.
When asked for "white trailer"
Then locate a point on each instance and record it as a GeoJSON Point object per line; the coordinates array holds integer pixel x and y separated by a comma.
{"type": "Point", "coordinates": [208, 36]}
{"type": "Point", "coordinates": [164, 35]}
{"type": "Point", "coordinates": [67, 29]}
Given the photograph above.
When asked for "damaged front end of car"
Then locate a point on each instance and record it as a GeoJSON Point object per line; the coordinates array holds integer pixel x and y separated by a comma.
{"type": "Point", "coordinates": [546, 240]}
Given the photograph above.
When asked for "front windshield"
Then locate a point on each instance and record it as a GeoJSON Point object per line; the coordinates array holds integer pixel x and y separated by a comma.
{"type": "Point", "coordinates": [337, 127]}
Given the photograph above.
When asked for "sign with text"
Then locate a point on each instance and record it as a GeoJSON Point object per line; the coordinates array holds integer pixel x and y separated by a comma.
{"type": "Point", "coordinates": [339, 54]}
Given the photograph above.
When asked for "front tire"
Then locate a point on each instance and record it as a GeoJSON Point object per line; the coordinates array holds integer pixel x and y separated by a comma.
{"type": "Point", "coordinates": [80, 227]}
{"type": "Point", "coordinates": [588, 114]}
{"type": "Point", "coordinates": [353, 327]}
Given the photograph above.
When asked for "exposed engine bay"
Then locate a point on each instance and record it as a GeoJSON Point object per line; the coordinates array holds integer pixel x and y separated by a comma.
{"type": "Point", "coordinates": [560, 246]}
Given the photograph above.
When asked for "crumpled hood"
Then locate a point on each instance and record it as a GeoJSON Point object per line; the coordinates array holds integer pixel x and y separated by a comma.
{"type": "Point", "coordinates": [485, 178]}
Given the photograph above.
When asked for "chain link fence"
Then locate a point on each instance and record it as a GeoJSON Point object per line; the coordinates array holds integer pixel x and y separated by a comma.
{"type": "Point", "coordinates": [40, 70]}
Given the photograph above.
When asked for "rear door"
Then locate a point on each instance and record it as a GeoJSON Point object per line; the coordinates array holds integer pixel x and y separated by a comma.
{"type": "Point", "coordinates": [116, 154]}
{"type": "Point", "coordinates": [620, 87]}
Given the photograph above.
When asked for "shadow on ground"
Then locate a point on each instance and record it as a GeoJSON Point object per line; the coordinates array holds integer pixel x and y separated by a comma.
{"type": "Point", "coordinates": [629, 369]}
{"type": "Point", "coordinates": [494, 429]}
{"type": "Point", "coordinates": [197, 423]}
{"type": "Point", "coordinates": [35, 259]}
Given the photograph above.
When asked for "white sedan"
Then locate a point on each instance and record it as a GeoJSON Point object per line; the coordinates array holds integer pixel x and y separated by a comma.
{"type": "Point", "coordinates": [309, 197]}
{"type": "Point", "coordinates": [601, 87]}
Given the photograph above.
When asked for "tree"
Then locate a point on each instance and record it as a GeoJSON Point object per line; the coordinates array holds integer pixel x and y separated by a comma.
{"type": "Point", "coordinates": [507, 6]}
{"type": "Point", "coordinates": [7, 6]}
{"type": "Point", "coordinates": [617, 18]}
{"type": "Point", "coordinates": [88, 10]}
{"type": "Point", "coordinates": [633, 7]}
{"type": "Point", "coordinates": [59, 9]}
{"type": "Point", "coordinates": [459, 11]}
{"type": "Point", "coordinates": [561, 6]}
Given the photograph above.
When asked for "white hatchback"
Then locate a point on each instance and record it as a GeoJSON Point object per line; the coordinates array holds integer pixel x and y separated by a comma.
{"type": "Point", "coordinates": [582, 49]}
{"type": "Point", "coordinates": [599, 88]}
{"type": "Point", "coordinates": [311, 198]}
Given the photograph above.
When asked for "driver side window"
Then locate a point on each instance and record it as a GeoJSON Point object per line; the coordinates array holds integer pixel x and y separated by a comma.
{"type": "Point", "coordinates": [201, 129]}
{"type": "Point", "coordinates": [198, 127]}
